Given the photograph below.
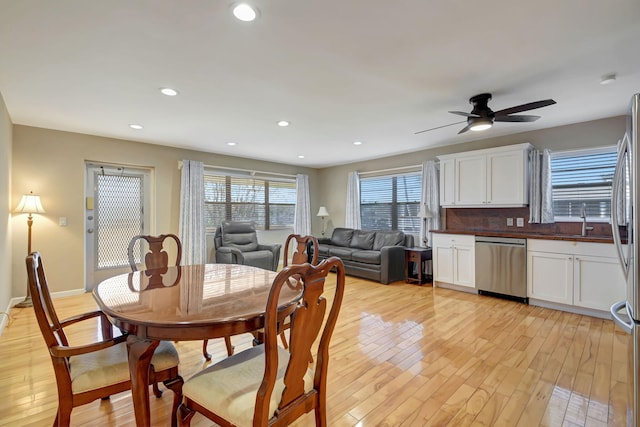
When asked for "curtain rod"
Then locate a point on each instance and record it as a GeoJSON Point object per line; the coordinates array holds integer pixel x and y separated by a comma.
{"type": "Point", "coordinates": [250, 171]}
{"type": "Point", "coordinates": [398, 169]}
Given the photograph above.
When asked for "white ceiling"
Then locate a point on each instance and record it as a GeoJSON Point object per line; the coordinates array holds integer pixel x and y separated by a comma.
{"type": "Point", "coordinates": [340, 71]}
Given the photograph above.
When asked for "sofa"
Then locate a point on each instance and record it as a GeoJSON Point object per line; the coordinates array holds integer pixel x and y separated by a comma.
{"type": "Point", "coordinates": [375, 255]}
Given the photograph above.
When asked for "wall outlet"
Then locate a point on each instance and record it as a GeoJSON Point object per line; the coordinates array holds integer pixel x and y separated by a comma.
{"type": "Point", "coordinates": [63, 221]}
{"type": "Point", "coordinates": [520, 222]}
{"type": "Point", "coordinates": [509, 222]}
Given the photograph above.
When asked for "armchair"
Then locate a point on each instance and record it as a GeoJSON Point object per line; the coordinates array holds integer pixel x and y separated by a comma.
{"type": "Point", "coordinates": [236, 242]}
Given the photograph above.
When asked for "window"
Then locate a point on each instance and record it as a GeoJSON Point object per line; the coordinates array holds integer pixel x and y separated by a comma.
{"type": "Point", "coordinates": [583, 177]}
{"type": "Point", "coordinates": [391, 202]}
{"type": "Point", "coordinates": [268, 202]}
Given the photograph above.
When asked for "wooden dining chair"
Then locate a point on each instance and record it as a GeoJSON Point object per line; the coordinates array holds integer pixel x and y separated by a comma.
{"type": "Point", "coordinates": [300, 255]}
{"type": "Point", "coordinates": [88, 372]}
{"type": "Point", "coordinates": [267, 384]}
{"type": "Point", "coordinates": [155, 257]}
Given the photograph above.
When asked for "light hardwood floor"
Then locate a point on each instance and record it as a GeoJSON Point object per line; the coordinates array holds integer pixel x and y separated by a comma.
{"type": "Point", "coordinates": [401, 355]}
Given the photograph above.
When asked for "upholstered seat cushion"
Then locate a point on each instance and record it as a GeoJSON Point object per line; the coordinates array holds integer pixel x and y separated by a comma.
{"type": "Point", "coordinates": [367, 257]}
{"type": "Point", "coordinates": [342, 253]}
{"type": "Point", "coordinates": [229, 387]}
{"type": "Point", "coordinates": [260, 259]}
{"type": "Point", "coordinates": [111, 366]}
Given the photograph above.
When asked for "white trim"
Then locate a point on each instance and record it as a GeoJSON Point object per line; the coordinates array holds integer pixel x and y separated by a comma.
{"type": "Point", "coordinates": [584, 151]}
{"type": "Point", "coordinates": [392, 171]}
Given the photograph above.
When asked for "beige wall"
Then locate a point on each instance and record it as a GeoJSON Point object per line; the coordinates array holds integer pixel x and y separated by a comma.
{"type": "Point", "coordinates": [5, 209]}
{"type": "Point", "coordinates": [582, 135]}
{"type": "Point", "coordinates": [52, 164]}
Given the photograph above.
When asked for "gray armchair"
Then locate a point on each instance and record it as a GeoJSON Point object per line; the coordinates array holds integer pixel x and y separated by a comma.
{"type": "Point", "coordinates": [236, 242]}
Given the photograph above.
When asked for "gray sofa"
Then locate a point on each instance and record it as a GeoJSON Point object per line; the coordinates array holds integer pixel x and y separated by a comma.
{"type": "Point", "coordinates": [375, 255]}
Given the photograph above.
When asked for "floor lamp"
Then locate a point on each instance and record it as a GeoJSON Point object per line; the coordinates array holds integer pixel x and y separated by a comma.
{"type": "Point", "coordinates": [322, 212]}
{"type": "Point", "coordinates": [30, 204]}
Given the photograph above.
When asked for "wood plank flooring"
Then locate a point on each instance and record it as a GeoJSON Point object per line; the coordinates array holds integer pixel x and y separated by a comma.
{"type": "Point", "coordinates": [401, 355]}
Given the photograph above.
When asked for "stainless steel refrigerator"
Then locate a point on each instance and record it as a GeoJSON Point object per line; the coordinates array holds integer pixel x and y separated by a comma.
{"type": "Point", "coordinates": [624, 221]}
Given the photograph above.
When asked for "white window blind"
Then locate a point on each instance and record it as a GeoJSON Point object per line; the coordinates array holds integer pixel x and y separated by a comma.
{"type": "Point", "coordinates": [270, 203]}
{"type": "Point", "coordinates": [391, 202]}
{"type": "Point", "coordinates": [583, 177]}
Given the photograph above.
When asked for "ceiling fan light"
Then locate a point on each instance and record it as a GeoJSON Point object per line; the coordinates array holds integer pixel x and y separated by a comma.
{"type": "Point", "coordinates": [480, 124]}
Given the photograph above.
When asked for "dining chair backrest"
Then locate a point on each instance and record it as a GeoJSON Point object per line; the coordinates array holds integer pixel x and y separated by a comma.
{"type": "Point", "coordinates": [300, 254]}
{"type": "Point", "coordinates": [155, 254]}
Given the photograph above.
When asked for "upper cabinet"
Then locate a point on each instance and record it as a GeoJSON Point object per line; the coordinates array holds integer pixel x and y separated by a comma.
{"type": "Point", "coordinates": [495, 177]}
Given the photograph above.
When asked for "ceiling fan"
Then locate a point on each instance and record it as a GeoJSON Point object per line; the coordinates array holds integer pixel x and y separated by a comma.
{"type": "Point", "coordinates": [482, 117]}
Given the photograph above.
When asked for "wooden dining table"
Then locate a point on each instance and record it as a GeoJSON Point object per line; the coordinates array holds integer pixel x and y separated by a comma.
{"type": "Point", "coordinates": [190, 302]}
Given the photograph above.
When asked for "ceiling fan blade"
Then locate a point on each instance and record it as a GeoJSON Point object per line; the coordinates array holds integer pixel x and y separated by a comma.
{"type": "Point", "coordinates": [462, 113]}
{"type": "Point", "coordinates": [439, 127]}
{"type": "Point", "coordinates": [525, 107]}
{"type": "Point", "coordinates": [516, 119]}
{"type": "Point", "coordinates": [466, 128]}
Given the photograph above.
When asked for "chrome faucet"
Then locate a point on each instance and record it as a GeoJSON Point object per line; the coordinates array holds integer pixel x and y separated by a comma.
{"type": "Point", "coordinates": [583, 215]}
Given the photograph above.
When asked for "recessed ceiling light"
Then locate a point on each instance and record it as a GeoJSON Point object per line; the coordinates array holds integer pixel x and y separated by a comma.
{"type": "Point", "coordinates": [244, 12]}
{"type": "Point", "coordinates": [168, 91]}
{"type": "Point", "coordinates": [283, 123]}
{"type": "Point", "coordinates": [231, 144]}
{"type": "Point", "coordinates": [301, 156]}
{"type": "Point", "coordinates": [357, 143]}
{"type": "Point", "coordinates": [608, 79]}
{"type": "Point", "coordinates": [135, 126]}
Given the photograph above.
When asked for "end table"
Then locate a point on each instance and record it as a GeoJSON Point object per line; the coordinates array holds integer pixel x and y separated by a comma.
{"type": "Point", "coordinates": [413, 256]}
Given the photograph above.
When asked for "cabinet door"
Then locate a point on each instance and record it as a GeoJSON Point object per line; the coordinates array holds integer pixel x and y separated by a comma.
{"type": "Point", "coordinates": [470, 181]}
{"type": "Point", "coordinates": [443, 263]}
{"type": "Point", "coordinates": [550, 277]}
{"type": "Point", "coordinates": [447, 182]}
{"type": "Point", "coordinates": [464, 264]}
{"type": "Point", "coordinates": [505, 178]}
{"type": "Point", "coordinates": [598, 282]}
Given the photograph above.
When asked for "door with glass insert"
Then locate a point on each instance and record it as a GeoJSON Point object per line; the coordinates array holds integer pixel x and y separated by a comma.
{"type": "Point", "coordinates": [117, 207]}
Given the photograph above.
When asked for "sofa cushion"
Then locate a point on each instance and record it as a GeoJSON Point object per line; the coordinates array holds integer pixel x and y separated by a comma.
{"type": "Point", "coordinates": [367, 257]}
{"type": "Point", "coordinates": [323, 249]}
{"type": "Point", "coordinates": [388, 238]}
{"type": "Point", "coordinates": [342, 253]}
{"type": "Point", "coordinates": [362, 239]}
{"type": "Point", "coordinates": [342, 236]}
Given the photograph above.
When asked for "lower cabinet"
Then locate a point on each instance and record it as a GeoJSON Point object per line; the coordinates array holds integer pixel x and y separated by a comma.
{"type": "Point", "coordinates": [581, 274]}
{"type": "Point", "coordinates": [454, 259]}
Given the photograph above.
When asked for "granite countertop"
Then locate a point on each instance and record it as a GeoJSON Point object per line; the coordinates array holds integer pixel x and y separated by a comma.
{"type": "Point", "coordinates": [530, 235]}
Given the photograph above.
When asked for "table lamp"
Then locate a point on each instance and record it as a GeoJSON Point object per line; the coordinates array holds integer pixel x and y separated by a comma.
{"type": "Point", "coordinates": [322, 212]}
{"type": "Point", "coordinates": [30, 203]}
{"type": "Point", "coordinates": [424, 213]}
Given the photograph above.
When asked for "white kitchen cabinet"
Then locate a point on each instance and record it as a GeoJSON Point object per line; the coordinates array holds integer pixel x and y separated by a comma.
{"type": "Point", "coordinates": [454, 259]}
{"type": "Point", "coordinates": [580, 274]}
{"type": "Point", "coordinates": [495, 177]}
{"type": "Point", "coordinates": [550, 276]}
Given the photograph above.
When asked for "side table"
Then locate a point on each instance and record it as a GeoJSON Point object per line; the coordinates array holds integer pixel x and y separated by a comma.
{"type": "Point", "coordinates": [413, 256]}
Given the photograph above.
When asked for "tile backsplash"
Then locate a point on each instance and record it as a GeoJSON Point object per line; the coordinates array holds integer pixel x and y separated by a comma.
{"type": "Point", "coordinates": [495, 219]}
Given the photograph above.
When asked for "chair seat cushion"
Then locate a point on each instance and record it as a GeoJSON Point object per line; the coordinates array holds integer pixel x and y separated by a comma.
{"type": "Point", "coordinates": [260, 259]}
{"type": "Point", "coordinates": [342, 253]}
{"type": "Point", "coordinates": [110, 366]}
{"type": "Point", "coordinates": [229, 387]}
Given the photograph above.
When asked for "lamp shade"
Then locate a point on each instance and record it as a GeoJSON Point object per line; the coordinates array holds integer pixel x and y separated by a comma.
{"type": "Point", "coordinates": [424, 212]}
{"type": "Point", "coordinates": [323, 211]}
{"type": "Point", "coordinates": [30, 203]}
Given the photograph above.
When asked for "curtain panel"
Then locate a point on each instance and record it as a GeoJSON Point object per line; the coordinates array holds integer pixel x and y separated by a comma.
{"type": "Point", "coordinates": [540, 188]}
{"type": "Point", "coordinates": [302, 215]}
{"type": "Point", "coordinates": [430, 200]}
{"type": "Point", "coordinates": [352, 215]}
{"type": "Point", "coordinates": [192, 230]}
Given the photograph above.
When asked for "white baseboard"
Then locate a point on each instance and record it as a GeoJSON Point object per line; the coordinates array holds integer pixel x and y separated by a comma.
{"type": "Point", "coordinates": [4, 315]}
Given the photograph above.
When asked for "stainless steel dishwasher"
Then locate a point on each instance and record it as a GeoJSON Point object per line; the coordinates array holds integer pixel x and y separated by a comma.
{"type": "Point", "coordinates": [501, 267]}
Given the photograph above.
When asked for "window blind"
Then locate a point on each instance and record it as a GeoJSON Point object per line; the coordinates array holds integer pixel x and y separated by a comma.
{"type": "Point", "coordinates": [391, 202]}
{"type": "Point", "coordinates": [583, 177]}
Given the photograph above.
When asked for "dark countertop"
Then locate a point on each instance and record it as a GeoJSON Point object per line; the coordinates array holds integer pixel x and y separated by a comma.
{"type": "Point", "coordinates": [530, 235]}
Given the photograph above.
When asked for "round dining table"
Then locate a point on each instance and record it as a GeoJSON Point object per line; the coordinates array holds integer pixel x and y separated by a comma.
{"type": "Point", "coordinates": [190, 302]}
